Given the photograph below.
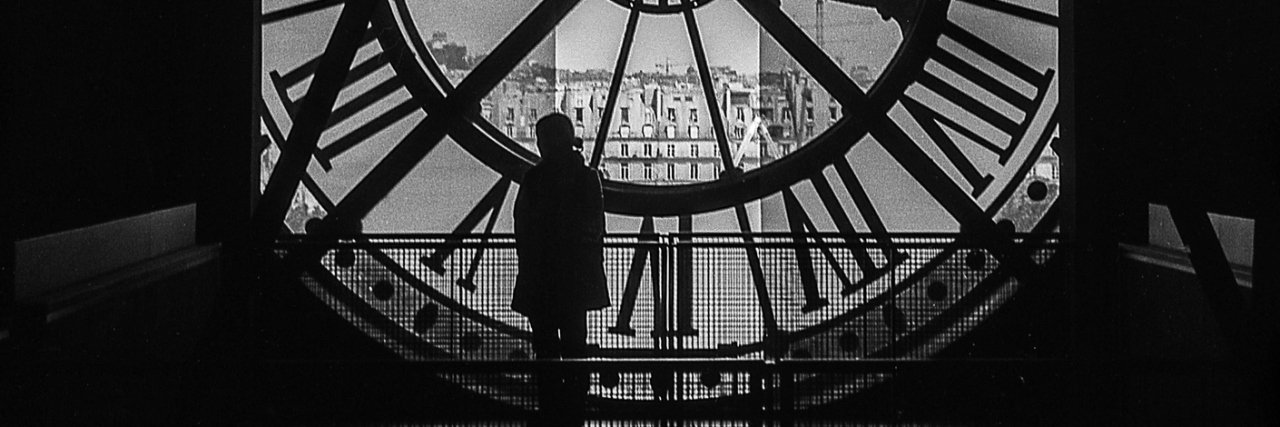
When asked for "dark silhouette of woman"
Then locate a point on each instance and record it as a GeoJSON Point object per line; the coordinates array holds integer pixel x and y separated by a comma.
{"type": "Point", "coordinates": [559, 225]}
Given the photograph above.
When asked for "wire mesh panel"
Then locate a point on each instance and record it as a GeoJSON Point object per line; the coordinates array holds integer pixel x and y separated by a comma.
{"type": "Point", "coordinates": [726, 297]}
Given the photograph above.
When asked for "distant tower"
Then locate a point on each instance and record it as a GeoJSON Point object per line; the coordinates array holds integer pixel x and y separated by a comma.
{"type": "Point", "coordinates": [819, 22]}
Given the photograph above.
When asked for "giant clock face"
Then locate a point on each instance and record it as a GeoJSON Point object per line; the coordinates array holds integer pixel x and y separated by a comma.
{"type": "Point", "coordinates": [834, 179]}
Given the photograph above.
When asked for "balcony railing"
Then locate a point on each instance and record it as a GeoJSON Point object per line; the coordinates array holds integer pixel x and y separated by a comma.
{"type": "Point", "coordinates": [766, 298]}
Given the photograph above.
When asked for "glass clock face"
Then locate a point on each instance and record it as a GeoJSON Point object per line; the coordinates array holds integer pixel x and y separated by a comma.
{"type": "Point", "coordinates": [793, 180]}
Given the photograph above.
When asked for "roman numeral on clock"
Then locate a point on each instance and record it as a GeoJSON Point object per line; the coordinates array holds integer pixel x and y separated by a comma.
{"type": "Point", "coordinates": [1013, 129]}
{"type": "Point", "coordinates": [800, 223]}
{"type": "Point", "coordinates": [371, 97]}
{"type": "Point", "coordinates": [490, 205]}
{"type": "Point", "coordinates": [643, 253]}
{"type": "Point", "coordinates": [670, 303]}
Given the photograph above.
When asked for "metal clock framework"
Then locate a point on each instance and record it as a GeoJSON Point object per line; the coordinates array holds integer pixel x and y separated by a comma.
{"type": "Point", "coordinates": [973, 126]}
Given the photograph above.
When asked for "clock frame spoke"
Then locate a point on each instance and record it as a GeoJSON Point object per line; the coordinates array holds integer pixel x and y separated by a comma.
{"type": "Point", "coordinates": [757, 274]}
{"type": "Point", "coordinates": [709, 92]}
{"type": "Point", "coordinates": [312, 117]}
{"type": "Point", "coordinates": [615, 86]}
{"type": "Point", "coordinates": [807, 53]}
{"type": "Point", "coordinates": [684, 277]}
{"type": "Point", "coordinates": [507, 54]}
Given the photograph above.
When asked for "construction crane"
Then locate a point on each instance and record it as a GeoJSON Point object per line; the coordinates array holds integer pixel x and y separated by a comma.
{"type": "Point", "coordinates": [819, 22]}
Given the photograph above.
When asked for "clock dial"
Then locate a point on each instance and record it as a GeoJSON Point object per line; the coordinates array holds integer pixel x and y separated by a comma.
{"type": "Point", "coordinates": [876, 179]}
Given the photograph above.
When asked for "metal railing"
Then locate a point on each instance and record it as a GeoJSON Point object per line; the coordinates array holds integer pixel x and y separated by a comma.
{"type": "Point", "coordinates": [724, 298]}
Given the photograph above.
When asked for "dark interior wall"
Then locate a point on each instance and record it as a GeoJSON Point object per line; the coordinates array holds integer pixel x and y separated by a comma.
{"type": "Point", "coordinates": [113, 109]}
{"type": "Point", "coordinates": [1174, 101]}
{"type": "Point", "coordinates": [1182, 98]}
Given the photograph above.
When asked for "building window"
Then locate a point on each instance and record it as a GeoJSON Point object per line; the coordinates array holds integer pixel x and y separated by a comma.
{"type": "Point", "coordinates": [671, 171]}
{"type": "Point", "coordinates": [693, 150]}
{"type": "Point", "coordinates": [624, 131]}
{"type": "Point", "coordinates": [531, 132]}
{"type": "Point", "coordinates": [671, 114]}
{"type": "Point", "coordinates": [626, 114]}
{"type": "Point", "coordinates": [808, 113]}
{"type": "Point", "coordinates": [693, 131]}
{"type": "Point", "coordinates": [486, 112]}
{"type": "Point", "coordinates": [622, 149]}
{"type": "Point", "coordinates": [648, 171]}
{"type": "Point", "coordinates": [625, 172]}
{"type": "Point", "coordinates": [716, 170]}
{"type": "Point", "coordinates": [648, 150]}
{"type": "Point", "coordinates": [647, 130]}
{"type": "Point", "coordinates": [533, 113]}
{"type": "Point", "coordinates": [671, 132]}
{"type": "Point", "coordinates": [693, 115]}
{"type": "Point", "coordinates": [510, 129]}
{"type": "Point", "coordinates": [671, 150]}
{"type": "Point", "coordinates": [808, 131]}
{"type": "Point", "coordinates": [693, 171]}
{"type": "Point", "coordinates": [786, 113]}
{"type": "Point", "coordinates": [741, 114]}
{"type": "Point", "coordinates": [577, 113]}
{"type": "Point", "coordinates": [832, 112]}
{"type": "Point", "coordinates": [511, 114]}
{"type": "Point", "coordinates": [738, 132]}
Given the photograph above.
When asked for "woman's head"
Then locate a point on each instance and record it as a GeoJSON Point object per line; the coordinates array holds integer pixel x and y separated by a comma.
{"type": "Point", "coordinates": [555, 135]}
